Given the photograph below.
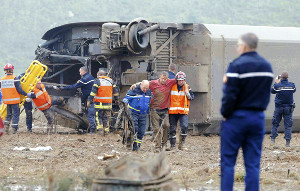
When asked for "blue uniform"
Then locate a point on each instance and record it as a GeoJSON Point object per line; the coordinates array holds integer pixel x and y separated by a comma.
{"type": "Point", "coordinates": [0, 96]}
{"type": "Point", "coordinates": [28, 110]}
{"type": "Point", "coordinates": [284, 100]}
{"type": "Point", "coordinates": [138, 103]}
{"type": "Point", "coordinates": [246, 94]}
{"type": "Point", "coordinates": [86, 85]}
{"type": "Point", "coordinates": [171, 75]}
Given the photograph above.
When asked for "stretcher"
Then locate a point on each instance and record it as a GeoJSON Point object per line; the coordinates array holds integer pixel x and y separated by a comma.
{"type": "Point", "coordinates": [33, 74]}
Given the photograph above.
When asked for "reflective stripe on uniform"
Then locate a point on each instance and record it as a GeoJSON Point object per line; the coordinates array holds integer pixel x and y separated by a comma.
{"type": "Point", "coordinates": [250, 74]}
{"type": "Point", "coordinates": [179, 108]}
{"type": "Point", "coordinates": [138, 141]}
{"type": "Point", "coordinates": [102, 97]}
{"type": "Point", "coordinates": [46, 104]}
{"type": "Point", "coordinates": [39, 94]}
{"type": "Point", "coordinates": [100, 106]}
{"type": "Point", "coordinates": [284, 89]}
{"type": "Point", "coordinates": [86, 82]}
{"type": "Point", "coordinates": [12, 99]}
{"type": "Point", "coordinates": [182, 93]}
{"type": "Point", "coordinates": [133, 108]}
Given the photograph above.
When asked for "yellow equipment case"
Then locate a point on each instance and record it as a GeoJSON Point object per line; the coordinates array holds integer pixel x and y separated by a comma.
{"type": "Point", "coordinates": [33, 74]}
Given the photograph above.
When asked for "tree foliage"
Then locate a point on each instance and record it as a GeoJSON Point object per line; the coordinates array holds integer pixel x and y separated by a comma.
{"type": "Point", "coordinates": [23, 23]}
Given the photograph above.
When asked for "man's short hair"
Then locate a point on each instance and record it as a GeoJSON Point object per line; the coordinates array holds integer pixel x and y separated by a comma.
{"type": "Point", "coordinates": [163, 74]}
{"type": "Point", "coordinates": [172, 67]}
{"type": "Point", "coordinates": [284, 75]}
{"type": "Point", "coordinates": [101, 73]}
{"type": "Point", "coordinates": [85, 69]}
{"type": "Point", "coordinates": [250, 40]}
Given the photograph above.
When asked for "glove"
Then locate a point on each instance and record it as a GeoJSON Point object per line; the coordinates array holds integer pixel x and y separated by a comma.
{"type": "Point", "coordinates": [56, 88]}
{"type": "Point", "coordinates": [88, 103]}
{"type": "Point", "coordinates": [28, 99]}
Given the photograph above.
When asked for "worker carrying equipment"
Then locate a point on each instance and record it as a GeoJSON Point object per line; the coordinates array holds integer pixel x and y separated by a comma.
{"type": "Point", "coordinates": [42, 101]}
{"type": "Point", "coordinates": [11, 90]}
{"type": "Point", "coordinates": [14, 91]}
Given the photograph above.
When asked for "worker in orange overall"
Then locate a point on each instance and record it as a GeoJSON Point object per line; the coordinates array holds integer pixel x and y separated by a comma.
{"type": "Point", "coordinates": [181, 94]}
{"type": "Point", "coordinates": [103, 91]}
{"type": "Point", "coordinates": [11, 90]}
{"type": "Point", "coordinates": [42, 101]}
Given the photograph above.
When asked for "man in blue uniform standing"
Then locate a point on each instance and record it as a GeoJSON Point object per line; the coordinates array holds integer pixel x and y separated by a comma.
{"type": "Point", "coordinates": [86, 84]}
{"type": "Point", "coordinates": [171, 72]}
{"type": "Point", "coordinates": [138, 101]}
{"type": "Point", "coordinates": [284, 107]}
{"type": "Point", "coordinates": [246, 94]}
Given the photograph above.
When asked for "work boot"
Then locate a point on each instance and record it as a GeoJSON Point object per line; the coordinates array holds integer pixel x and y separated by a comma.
{"type": "Point", "coordinates": [173, 143]}
{"type": "Point", "coordinates": [287, 143]}
{"type": "Point", "coordinates": [106, 131]}
{"type": "Point", "coordinates": [15, 130]}
{"type": "Point", "coordinates": [49, 128]}
{"type": "Point", "coordinates": [171, 148]}
{"type": "Point", "coordinates": [272, 141]}
{"type": "Point", "coordinates": [181, 143]}
{"type": "Point", "coordinates": [135, 146]}
{"type": "Point", "coordinates": [6, 126]}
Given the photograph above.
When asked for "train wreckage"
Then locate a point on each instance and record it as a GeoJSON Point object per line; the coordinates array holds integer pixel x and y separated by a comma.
{"type": "Point", "coordinates": [137, 50]}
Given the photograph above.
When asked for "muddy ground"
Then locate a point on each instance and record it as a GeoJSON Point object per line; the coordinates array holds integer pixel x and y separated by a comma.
{"type": "Point", "coordinates": [74, 162]}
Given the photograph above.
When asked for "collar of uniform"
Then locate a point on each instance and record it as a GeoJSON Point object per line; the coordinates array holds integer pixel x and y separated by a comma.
{"type": "Point", "coordinates": [284, 80]}
{"type": "Point", "coordinates": [249, 53]}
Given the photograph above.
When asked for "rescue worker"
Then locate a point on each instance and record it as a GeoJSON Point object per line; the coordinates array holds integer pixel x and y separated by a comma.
{"type": "Point", "coordinates": [284, 100]}
{"type": "Point", "coordinates": [172, 70]}
{"type": "Point", "coordinates": [28, 109]}
{"type": "Point", "coordinates": [42, 101]}
{"type": "Point", "coordinates": [181, 94]}
{"type": "Point", "coordinates": [11, 90]}
{"type": "Point", "coordinates": [138, 101]}
{"type": "Point", "coordinates": [86, 84]}
{"type": "Point", "coordinates": [102, 96]}
{"type": "Point", "coordinates": [246, 94]}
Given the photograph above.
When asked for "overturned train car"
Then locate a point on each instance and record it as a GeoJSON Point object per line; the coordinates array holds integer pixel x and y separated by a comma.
{"type": "Point", "coordinates": [137, 50]}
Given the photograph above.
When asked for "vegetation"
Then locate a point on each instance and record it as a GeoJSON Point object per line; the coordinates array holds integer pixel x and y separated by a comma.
{"type": "Point", "coordinates": [23, 23]}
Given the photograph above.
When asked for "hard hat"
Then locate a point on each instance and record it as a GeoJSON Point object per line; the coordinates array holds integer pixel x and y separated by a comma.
{"type": "Point", "coordinates": [180, 76]}
{"type": "Point", "coordinates": [8, 66]}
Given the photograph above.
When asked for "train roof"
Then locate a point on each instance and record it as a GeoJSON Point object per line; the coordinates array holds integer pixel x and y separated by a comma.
{"type": "Point", "coordinates": [264, 33]}
{"type": "Point", "coordinates": [216, 31]}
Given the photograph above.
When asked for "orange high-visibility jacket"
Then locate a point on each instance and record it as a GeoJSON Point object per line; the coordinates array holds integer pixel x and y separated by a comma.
{"type": "Point", "coordinates": [179, 103]}
{"type": "Point", "coordinates": [42, 100]}
{"type": "Point", "coordinates": [105, 90]}
{"type": "Point", "coordinates": [10, 95]}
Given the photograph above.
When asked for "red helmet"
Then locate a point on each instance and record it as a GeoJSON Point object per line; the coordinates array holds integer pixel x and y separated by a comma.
{"type": "Point", "coordinates": [8, 66]}
{"type": "Point", "coordinates": [180, 76]}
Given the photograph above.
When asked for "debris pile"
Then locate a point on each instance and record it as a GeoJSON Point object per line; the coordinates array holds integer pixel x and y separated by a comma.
{"type": "Point", "coordinates": [134, 173]}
